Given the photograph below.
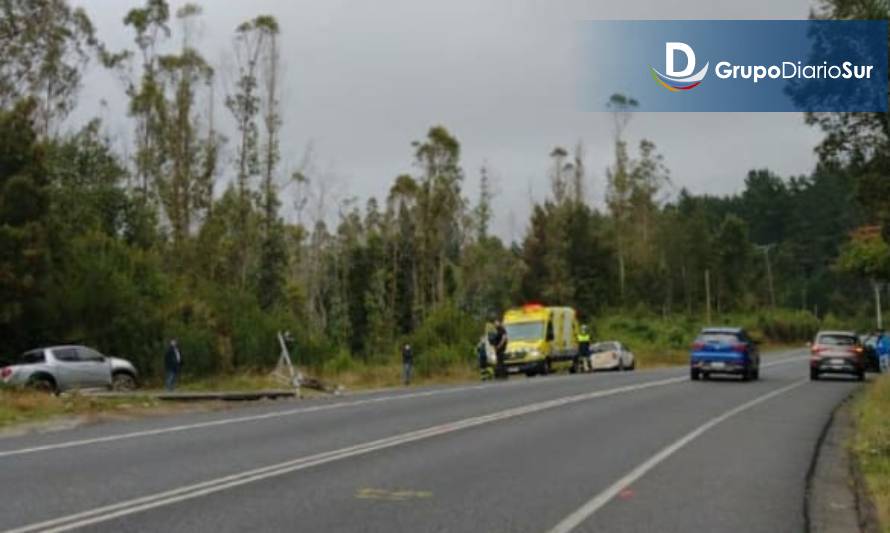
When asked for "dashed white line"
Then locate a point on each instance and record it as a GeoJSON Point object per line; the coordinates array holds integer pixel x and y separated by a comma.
{"type": "Point", "coordinates": [228, 421]}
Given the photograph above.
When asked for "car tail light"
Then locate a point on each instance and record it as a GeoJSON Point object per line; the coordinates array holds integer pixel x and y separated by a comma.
{"type": "Point", "coordinates": [698, 345]}
{"type": "Point", "coordinates": [817, 349]}
{"type": "Point", "coordinates": [740, 347]}
{"type": "Point", "coordinates": [5, 372]}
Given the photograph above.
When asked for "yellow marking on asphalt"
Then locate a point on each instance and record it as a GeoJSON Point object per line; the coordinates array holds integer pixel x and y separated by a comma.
{"type": "Point", "coordinates": [392, 495]}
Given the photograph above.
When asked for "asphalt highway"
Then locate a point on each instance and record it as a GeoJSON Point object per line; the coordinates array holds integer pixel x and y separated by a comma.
{"type": "Point", "coordinates": [616, 452]}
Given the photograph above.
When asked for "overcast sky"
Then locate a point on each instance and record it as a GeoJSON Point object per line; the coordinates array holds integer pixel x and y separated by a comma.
{"type": "Point", "coordinates": [365, 78]}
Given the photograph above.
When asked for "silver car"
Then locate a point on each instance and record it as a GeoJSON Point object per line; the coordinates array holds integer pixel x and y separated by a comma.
{"type": "Point", "coordinates": [611, 355]}
{"type": "Point", "coordinates": [61, 368]}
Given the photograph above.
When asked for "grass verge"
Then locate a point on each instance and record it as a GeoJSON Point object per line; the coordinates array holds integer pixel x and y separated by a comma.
{"type": "Point", "coordinates": [19, 406]}
{"type": "Point", "coordinates": [365, 376]}
{"type": "Point", "coordinates": [357, 376]}
{"type": "Point", "coordinates": [872, 444]}
{"type": "Point", "coordinates": [380, 376]}
{"type": "Point", "coordinates": [243, 381]}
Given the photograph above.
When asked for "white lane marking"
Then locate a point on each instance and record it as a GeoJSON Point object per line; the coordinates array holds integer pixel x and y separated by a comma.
{"type": "Point", "coordinates": [169, 497]}
{"type": "Point", "coordinates": [265, 416]}
{"type": "Point", "coordinates": [597, 502]}
{"type": "Point", "coordinates": [110, 512]}
{"type": "Point", "coordinates": [228, 421]}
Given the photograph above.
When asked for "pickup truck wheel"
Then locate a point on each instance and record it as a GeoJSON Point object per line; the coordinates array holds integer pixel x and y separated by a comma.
{"type": "Point", "coordinates": [694, 374]}
{"type": "Point", "coordinates": [123, 382]}
{"type": "Point", "coordinates": [42, 384]}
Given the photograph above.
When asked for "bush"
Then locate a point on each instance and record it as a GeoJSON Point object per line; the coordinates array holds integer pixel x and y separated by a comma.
{"type": "Point", "coordinates": [676, 332]}
{"type": "Point", "coordinates": [788, 326]}
{"type": "Point", "coordinates": [341, 363]}
{"type": "Point", "coordinates": [439, 359]}
{"type": "Point", "coordinates": [447, 336]}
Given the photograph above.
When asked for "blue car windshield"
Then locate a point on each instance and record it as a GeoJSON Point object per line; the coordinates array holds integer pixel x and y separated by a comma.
{"type": "Point", "coordinates": [525, 331]}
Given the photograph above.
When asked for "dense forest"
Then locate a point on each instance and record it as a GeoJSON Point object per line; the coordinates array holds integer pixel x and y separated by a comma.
{"type": "Point", "coordinates": [200, 232]}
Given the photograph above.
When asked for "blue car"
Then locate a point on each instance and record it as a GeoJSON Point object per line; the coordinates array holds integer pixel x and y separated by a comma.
{"type": "Point", "coordinates": [728, 351]}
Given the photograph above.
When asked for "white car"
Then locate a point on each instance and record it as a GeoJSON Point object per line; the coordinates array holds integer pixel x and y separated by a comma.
{"type": "Point", "coordinates": [61, 368]}
{"type": "Point", "coordinates": [611, 355]}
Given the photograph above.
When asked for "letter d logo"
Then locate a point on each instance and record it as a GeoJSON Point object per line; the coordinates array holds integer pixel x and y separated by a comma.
{"type": "Point", "coordinates": [683, 80]}
{"type": "Point", "coordinates": [670, 50]}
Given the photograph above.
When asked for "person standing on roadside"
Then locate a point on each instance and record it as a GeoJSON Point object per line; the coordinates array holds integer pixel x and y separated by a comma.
{"type": "Point", "coordinates": [583, 362]}
{"type": "Point", "coordinates": [172, 365]}
{"type": "Point", "coordinates": [482, 355]}
{"type": "Point", "coordinates": [499, 342]}
{"type": "Point", "coordinates": [407, 363]}
{"type": "Point", "coordinates": [882, 347]}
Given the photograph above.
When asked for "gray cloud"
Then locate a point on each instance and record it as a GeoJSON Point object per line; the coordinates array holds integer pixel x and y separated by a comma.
{"type": "Point", "coordinates": [364, 79]}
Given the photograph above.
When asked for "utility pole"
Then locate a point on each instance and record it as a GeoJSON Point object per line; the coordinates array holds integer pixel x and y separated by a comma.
{"type": "Point", "coordinates": [878, 318]}
{"type": "Point", "coordinates": [769, 274]}
{"type": "Point", "coordinates": [708, 296]}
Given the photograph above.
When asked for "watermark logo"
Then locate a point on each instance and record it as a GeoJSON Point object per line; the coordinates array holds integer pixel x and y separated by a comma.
{"type": "Point", "coordinates": [819, 66]}
{"type": "Point", "coordinates": [683, 80]}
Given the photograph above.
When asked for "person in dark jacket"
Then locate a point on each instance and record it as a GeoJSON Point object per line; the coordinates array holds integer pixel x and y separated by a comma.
{"type": "Point", "coordinates": [499, 342]}
{"type": "Point", "coordinates": [407, 363]}
{"type": "Point", "coordinates": [172, 365]}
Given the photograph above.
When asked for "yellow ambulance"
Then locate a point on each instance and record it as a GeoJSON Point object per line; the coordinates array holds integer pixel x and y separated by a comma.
{"type": "Point", "coordinates": [540, 338]}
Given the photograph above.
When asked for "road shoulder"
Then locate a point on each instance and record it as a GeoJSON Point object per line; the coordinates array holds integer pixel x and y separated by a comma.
{"type": "Point", "coordinates": [837, 499]}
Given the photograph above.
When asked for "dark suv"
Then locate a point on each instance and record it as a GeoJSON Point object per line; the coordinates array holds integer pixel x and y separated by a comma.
{"type": "Point", "coordinates": [837, 352]}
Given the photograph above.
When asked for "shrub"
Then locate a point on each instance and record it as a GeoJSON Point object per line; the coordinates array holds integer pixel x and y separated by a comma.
{"type": "Point", "coordinates": [342, 362]}
{"type": "Point", "coordinates": [440, 358]}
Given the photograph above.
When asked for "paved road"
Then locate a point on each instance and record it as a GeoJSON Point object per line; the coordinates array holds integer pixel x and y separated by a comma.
{"type": "Point", "coordinates": [636, 451]}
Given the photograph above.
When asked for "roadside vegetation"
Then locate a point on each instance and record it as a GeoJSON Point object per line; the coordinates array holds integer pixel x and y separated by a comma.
{"type": "Point", "coordinates": [872, 444]}
{"type": "Point", "coordinates": [197, 228]}
{"type": "Point", "coordinates": [656, 341]}
{"type": "Point", "coordinates": [664, 341]}
{"type": "Point", "coordinates": [19, 406]}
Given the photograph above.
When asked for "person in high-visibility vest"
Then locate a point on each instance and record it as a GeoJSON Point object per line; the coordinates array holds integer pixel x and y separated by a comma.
{"type": "Point", "coordinates": [584, 364]}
